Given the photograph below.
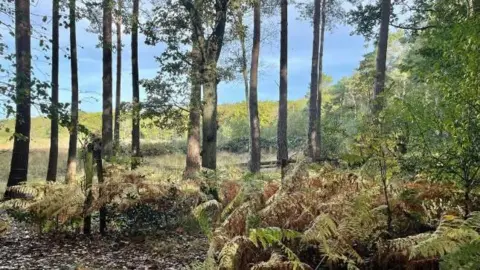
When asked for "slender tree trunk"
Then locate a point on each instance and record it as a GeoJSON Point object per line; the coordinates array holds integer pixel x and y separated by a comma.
{"type": "Point", "coordinates": [87, 220]}
{"type": "Point", "coordinates": [381, 65]}
{"type": "Point", "coordinates": [97, 155]}
{"type": "Point", "coordinates": [21, 143]}
{"type": "Point", "coordinates": [241, 37]}
{"type": "Point", "coordinates": [107, 132]}
{"type": "Point", "coordinates": [193, 162]}
{"type": "Point", "coordinates": [118, 93]}
{"type": "Point", "coordinates": [320, 77]}
{"type": "Point", "coordinates": [135, 89]}
{"type": "Point", "coordinates": [53, 156]}
{"type": "Point", "coordinates": [244, 67]}
{"type": "Point", "coordinates": [73, 129]}
{"type": "Point", "coordinates": [255, 150]}
{"type": "Point", "coordinates": [209, 127]}
{"type": "Point", "coordinates": [282, 141]}
{"type": "Point", "coordinates": [312, 121]}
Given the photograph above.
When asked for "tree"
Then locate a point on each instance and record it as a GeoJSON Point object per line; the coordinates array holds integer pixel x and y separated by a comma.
{"type": "Point", "coordinates": [312, 120]}
{"type": "Point", "coordinates": [282, 142]}
{"type": "Point", "coordinates": [73, 127]}
{"type": "Point", "coordinates": [381, 65]}
{"type": "Point", "coordinates": [53, 155]}
{"type": "Point", "coordinates": [107, 79]}
{"type": "Point", "coordinates": [21, 143]}
{"type": "Point", "coordinates": [135, 88]}
{"type": "Point", "coordinates": [118, 92]}
{"type": "Point", "coordinates": [210, 49]}
{"type": "Point", "coordinates": [255, 150]}
{"type": "Point", "coordinates": [193, 162]}
{"type": "Point", "coordinates": [320, 77]}
{"type": "Point", "coordinates": [240, 32]}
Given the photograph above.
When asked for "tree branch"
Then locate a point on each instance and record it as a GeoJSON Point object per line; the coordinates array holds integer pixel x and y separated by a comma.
{"type": "Point", "coordinates": [409, 27]}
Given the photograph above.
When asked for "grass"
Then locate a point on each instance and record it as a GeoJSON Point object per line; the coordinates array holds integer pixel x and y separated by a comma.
{"type": "Point", "coordinates": [37, 168]}
{"type": "Point", "coordinates": [165, 163]}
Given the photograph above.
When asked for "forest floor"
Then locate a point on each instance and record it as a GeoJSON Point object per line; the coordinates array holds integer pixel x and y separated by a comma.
{"type": "Point", "coordinates": [23, 248]}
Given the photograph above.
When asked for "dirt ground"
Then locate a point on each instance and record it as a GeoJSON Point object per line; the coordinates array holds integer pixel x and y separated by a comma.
{"type": "Point", "coordinates": [23, 248]}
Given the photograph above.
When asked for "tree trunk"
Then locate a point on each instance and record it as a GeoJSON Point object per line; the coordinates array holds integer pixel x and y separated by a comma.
{"type": "Point", "coordinates": [53, 156]}
{"type": "Point", "coordinates": [73, 129]}
{"type": "Point", "coordinates": [255, 150]}
{"type": "Point", "coordinates": [118, 93]}
{"type": "Point", "coordinates": [241, 36]}
{"type": "Point", "coordinates": [87, 220]}
{"type": "Point", "coordinates": [193, 162]}
{"type": "Point", "coordinates": [282, 141]}
{"type": "Point", "coordinates": [97, 155]}
{"type": "Point", "coordinates": [240, 29]}
{"type": "Point", "coordinates": [320, 77]}
{"type": "Point", "coordinates": [21, 143]}
{"type": "Point", "coordinates": [209, 128]}
{"type": "Point", "coordinates": [135, 89]}
{"type": "Point", "coordinates": [381, 64]}
{"type": "Point", "coordinates": [107, 132]}
{"type": "Point", "coordinates": [312, 121]}
{"type": "Point", "coordinates": [210, 51]}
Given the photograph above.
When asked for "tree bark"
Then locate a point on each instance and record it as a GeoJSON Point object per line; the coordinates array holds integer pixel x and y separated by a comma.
{"type": "Point", "coordinates": [135, 89]}
{"type": "Point", "coordinates": [381, 61]}
{"type": "Point", "coordinates": [87, 220]}
{"type": "Point", "coordinates": [209, 127]}
{"type": "Point", "coordinates": [255, 149]}
{"type": "Point", "coordinates": [193, 160]}
{"type": "Point", "coordinates": [312, 121]}
{"type": "Point", "coordinates": [73, 128]}
{"type": "Point", "coordinates": [107, 132]}
{"type": "Point", "coordinates": [118, 92]}
{"type": "Point", "coordinates": [240, 31]}
{"type": "Point", "coordinates": [21, 143]}
{"type": "Point", "coordinates": [320, 77]}
{"type": "Point", "coordinates": [241, 37]}
{"type": "Point", "coordinates": [210, 50]}
{"type": "Point", "coordinates": [282, 140]}
{"type": "Point", "coordinates": [53, 155]}
{"type": "Point", "coordinates": [97, 155]}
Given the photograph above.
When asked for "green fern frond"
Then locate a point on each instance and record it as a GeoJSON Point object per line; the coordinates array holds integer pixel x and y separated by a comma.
{"type": "Point", "coordinates": [451, 234]}
{"type": "Point", "coordinates": [465, 258]}
{"type": "Point", "coordinates": [204, 217]}
{"type": "Point", "coordinates": [323, 228]}
{"type": "Point", "coordinates": [331, 241]}
{"type": "Point", "coordinates": [274, 236]}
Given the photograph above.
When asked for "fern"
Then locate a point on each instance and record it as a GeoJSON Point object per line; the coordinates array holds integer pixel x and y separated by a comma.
{"type": "Point", "coordinates": [451, 235]}
{"type": "Point", "coordinates": [272, 237]}
{"type": "Point", "coordinates": [202, 214]}
{"type": "Point", "coordinates": [465, 258]}
{"type": "Point", "coordinates": [47, 200]}
{"type": "Point", "coordinates": [237, 201]}
{"type": "Point", "coordinates": [332, 245]}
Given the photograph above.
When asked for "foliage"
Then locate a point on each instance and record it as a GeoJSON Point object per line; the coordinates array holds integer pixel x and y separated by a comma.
{"type": "Point", "coordinates": [464, 258]}
{"type": "Point", "coordinates": [273, 236]}
{"type": "Point", "coordinates": [451, 235]}
{"type": "Point", "coordinates": [135, 203]}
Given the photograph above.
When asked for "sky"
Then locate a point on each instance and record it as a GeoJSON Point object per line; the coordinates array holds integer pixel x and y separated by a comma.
{"type": "Point", "coordinates": [342, 54]}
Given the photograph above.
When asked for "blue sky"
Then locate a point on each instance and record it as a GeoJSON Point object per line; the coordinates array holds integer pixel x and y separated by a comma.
{"type": "Point", "coordinates": [341, 56]}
